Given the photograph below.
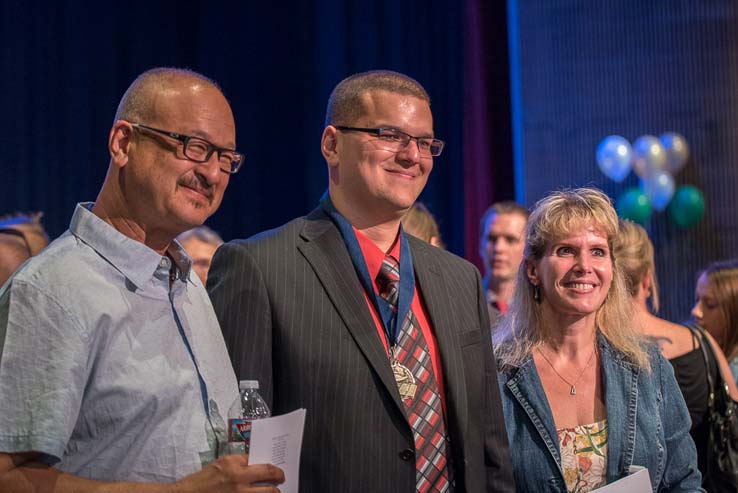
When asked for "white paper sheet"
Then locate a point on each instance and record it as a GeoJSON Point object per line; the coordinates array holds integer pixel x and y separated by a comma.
{"type": "Point", "coordinates": [278, 440]}
{"type": "Point", "coordinates": [638, 481]}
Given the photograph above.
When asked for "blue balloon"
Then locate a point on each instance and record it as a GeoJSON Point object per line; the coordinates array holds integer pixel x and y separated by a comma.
{"type": "Point", "coordinates": [648, 156]}
{"type": "Point", "coordinates": [659, 188]}
{"type": "Point", "coordinates": [614, 156]}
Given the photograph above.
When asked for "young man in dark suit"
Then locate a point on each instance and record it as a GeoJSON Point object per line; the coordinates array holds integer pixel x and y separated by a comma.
{"type": "Point", "coordinates": [382, 337]}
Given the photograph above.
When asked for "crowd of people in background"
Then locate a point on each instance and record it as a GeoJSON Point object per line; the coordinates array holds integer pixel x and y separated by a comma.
{"type": "Point", "coordinates": [539, 372]}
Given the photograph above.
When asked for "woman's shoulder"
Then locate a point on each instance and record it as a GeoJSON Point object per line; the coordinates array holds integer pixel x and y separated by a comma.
{"type": "Point", "coordinates": [672, 339]}
{"type": "Point", "coordinates": [632, 363]}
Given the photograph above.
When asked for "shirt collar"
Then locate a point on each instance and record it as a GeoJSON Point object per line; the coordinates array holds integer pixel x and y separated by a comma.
{"type": "Point", "coordinates": [132, 258]}
{"type": "Point", "coordinates": [374, 256]}
{"type": "Point", "coordinates": [493, 299]}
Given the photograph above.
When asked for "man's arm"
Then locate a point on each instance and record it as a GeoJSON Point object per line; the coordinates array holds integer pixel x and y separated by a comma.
{"type": "Point", "coordinates": [19, 473]}
{"type": "Point", "coordinates": [497, 452]}
{"type": "Point", "coordinates": [241, 302]}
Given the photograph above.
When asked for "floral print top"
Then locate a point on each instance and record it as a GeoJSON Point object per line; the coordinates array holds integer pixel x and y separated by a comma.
{"type": "Point", "coordinates": [584, 456]}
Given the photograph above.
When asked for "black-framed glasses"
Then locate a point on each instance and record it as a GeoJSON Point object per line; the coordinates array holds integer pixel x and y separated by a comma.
{"type": "Point", "coordinates": [396, 140]}
{"type": "Point", "coordinates": [200, 150]}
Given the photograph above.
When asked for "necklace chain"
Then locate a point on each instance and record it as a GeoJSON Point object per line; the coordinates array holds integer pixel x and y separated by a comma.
{"type": "Point", "coordinates": [573, 386]}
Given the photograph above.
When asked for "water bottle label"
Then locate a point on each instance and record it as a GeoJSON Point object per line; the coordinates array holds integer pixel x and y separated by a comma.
{"type": "Point", "coordinates": [239, 430]}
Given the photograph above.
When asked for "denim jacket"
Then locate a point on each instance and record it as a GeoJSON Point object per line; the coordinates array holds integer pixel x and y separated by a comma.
{"type": "Point", "coordinates": [647, 419]}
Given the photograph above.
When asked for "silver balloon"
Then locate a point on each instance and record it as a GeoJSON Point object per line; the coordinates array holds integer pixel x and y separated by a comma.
{"type": "Point", "coordinates": [677, 151]}
{"type": "Point", "coordinates": [614, 156]}
{"type": "Point", "coordinates": [659, 188]}
{"type": "Point", "coordinates": [648, 156]}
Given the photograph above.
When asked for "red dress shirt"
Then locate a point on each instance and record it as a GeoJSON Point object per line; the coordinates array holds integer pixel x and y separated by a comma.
{"type": "Point", "coordinates": [374, 257]}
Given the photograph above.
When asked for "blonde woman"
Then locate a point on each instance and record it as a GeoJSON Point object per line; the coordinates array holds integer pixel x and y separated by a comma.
{"type": "Point", "coordinates": [419, 222]}
{"type": "Point", "coordinates": [584, 398]}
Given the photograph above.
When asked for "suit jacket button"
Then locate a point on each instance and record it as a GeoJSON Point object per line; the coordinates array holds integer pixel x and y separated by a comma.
{"type": "Point", "coordinates": [407, 455]}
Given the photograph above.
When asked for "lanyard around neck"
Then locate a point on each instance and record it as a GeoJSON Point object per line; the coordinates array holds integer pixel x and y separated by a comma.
{"type": "Point", "coordinates": [389, 317]}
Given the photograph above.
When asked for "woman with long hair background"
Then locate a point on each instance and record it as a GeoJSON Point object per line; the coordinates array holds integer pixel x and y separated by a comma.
{"type": "Point", "coordinates": [716, 307]}
{"type": "Point", "coordinates": [635, 254]}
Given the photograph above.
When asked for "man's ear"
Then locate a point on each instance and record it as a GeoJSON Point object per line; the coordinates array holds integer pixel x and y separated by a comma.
{"type": "Point", "coordinates": [119, 142]}
{"type": "Point", "coordinates": [329, 146]}
{"type": "Point", "coordinates": [532, 271]}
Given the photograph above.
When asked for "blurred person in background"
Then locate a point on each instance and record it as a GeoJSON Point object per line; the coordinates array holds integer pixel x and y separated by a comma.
{"type": "Point", "coordinates": [200, 244]}
{"type": "Point", "coordinates": [419, 222]}
{"type": "Point", "coordinates": [21, 237]}
{"type": "Point", "coordinates": [716, 307]}
{"type": "Point", "coordinates": [634, 252]}
{"type": "Point", "coordinates": [501, 245]}
{"type": "Point", "coordinates": [29, 224]}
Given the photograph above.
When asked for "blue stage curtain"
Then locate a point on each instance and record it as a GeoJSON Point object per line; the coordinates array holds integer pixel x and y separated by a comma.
{"type": "Point", "coordinates": [66, 64]}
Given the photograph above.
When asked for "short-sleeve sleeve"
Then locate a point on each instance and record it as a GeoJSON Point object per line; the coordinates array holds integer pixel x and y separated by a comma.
{"type": "Point", "coordinates": [43, 371]}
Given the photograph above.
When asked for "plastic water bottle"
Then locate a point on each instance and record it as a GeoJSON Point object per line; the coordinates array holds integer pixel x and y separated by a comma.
{"type": "Point", "coordinates": [247, 407]}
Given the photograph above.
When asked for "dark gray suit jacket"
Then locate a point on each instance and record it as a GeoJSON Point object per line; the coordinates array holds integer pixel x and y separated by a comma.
{"type": "Point", "coordinates": [294, 316]}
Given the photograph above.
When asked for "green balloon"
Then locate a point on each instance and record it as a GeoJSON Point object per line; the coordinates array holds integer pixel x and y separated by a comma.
{"type": "Point", "coordinates": [633, 204]}
{"type": "Point", "coordinates": [687, 206]}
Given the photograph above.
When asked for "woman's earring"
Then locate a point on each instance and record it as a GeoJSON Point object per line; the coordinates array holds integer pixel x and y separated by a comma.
{"type": "Point", "coordinates": [537, 293]}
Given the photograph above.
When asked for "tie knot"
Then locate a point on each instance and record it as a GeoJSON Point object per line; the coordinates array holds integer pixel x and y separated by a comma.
{"type": "Point", "coordinates": [388, 279]}
{"type": "Point", "coordinates": [390, 268]}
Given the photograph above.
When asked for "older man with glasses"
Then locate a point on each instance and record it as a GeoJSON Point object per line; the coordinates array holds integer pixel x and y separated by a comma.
{"type": "Point", "coordinates": [112, 367]}
{"type": "Point", "coordinates": [383, 338]}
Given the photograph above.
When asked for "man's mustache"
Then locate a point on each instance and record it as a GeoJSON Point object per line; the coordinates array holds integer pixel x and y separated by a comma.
{"type": "Point", "coordinates": [198, 184]}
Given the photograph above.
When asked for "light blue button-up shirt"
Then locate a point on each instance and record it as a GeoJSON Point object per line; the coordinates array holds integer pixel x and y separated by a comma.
{"type": "Point", "coordinates": [105, 368]}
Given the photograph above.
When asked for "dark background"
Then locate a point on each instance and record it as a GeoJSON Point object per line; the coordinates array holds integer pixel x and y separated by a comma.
{"type": "Point", "coordinates": [538, 80]}
{"type": "Point", "coordinates": [587, 69]}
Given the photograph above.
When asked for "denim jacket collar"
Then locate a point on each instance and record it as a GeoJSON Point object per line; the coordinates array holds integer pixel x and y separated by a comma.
{"type": "Point", "coordinates": [620, 380]}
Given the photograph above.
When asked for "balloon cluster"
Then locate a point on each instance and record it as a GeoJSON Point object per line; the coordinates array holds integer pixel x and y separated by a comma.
{"type": "Point", "coordinates": [655, 160]}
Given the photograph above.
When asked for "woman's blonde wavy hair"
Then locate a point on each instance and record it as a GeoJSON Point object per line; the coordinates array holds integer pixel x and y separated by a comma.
{"type": "Point", "coordinates": [554, 217]}
{"type": "Point", "coordinates": [634, 252]}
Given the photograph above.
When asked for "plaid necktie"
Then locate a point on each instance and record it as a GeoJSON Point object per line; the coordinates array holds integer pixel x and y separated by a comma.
{"type": "Point", "coordinates": [424, 411]}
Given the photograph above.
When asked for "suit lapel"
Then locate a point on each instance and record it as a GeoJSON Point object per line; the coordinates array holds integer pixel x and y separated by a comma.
{"type": "Point", "coordinates": [440, 310]}
{"type": "Point", "coordinates": [326, 252]}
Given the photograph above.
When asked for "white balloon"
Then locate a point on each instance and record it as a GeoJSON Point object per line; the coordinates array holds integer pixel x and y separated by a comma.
{"type": "Point", "coordinates": [659, 188]}
{"type": "Point", "coordinates": [648, 156]}
{"type": "Point", "coordinates": [677, 151]}
{"type": "Point", "coordinates": [614, 157]}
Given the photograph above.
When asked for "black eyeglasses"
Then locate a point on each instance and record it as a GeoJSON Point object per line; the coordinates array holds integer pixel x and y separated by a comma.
{"type": "Point", "coordinates": [396, 140]}
{"type": "Point", "coordinates": [199, 150]}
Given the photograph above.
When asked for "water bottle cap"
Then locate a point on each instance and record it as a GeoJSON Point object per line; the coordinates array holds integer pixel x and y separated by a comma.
{"type": "Point", "coordinates": [248, 384]}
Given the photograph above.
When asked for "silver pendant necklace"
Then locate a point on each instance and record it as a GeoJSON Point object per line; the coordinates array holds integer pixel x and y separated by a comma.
{"type": "Point", "coordinates": [572, 386]}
